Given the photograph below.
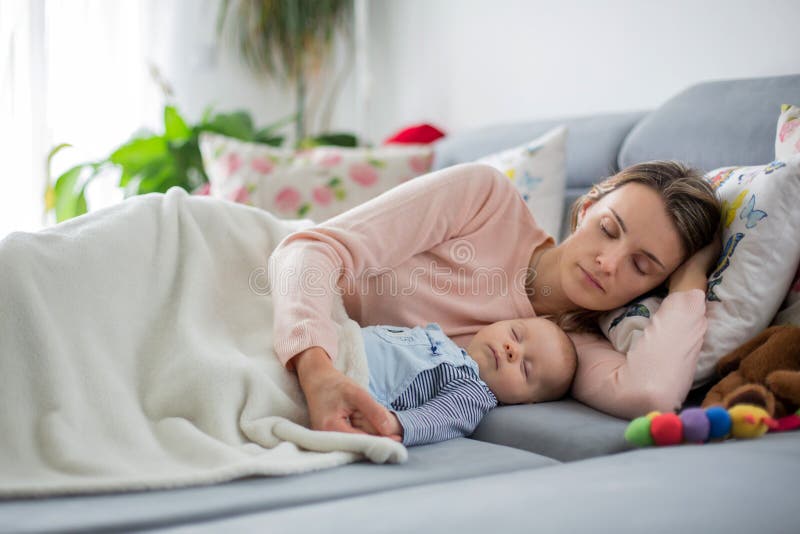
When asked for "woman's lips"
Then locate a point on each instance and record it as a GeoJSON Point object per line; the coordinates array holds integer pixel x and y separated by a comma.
{"type": "Point", "coordinates": [591, 279]}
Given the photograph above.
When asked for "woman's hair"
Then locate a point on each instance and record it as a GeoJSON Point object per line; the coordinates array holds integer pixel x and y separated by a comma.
{"type": "Point", "coordinates": [690, 203]}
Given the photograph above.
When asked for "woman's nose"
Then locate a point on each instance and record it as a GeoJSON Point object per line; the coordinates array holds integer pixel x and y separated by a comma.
{"type": "Point", "coordinates": [608, 261]}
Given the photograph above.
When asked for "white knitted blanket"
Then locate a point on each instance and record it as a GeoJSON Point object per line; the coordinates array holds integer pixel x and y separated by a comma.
{"type": "Point", "coordinates": [136, 352]}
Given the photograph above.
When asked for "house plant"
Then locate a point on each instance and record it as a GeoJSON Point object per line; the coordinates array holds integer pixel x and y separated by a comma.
{"type": "Point", "coordinates": [151, 162]}
{"type": "Point", "coordinates": [292, 41]}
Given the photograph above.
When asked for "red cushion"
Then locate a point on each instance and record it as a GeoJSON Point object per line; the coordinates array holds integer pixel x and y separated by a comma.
{"type": "Point", "coordinates": [418, 134]}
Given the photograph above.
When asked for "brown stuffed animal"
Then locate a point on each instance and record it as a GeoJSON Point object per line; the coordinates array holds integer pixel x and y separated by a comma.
{"type": "Point", "coordinates": [764, 371]}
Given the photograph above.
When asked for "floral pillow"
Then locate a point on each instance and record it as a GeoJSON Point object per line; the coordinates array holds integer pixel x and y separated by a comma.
{"type": "Point", "coordinates": [787, 138]}
{"type": "Point", "coordinates": [787, 144]}
{"type": "Point", "coordinates": [538, 169]}
{"type": "Point", "coordinates": [757, 265]}
{"type": "Point", "coordinates": [316, 184]}
{"type": "Point", "coordinates": [625, 325]}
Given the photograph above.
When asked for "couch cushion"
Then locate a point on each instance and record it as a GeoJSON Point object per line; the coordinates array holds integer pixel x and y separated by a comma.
{"type": "Point", "coordinates": [565, 430]}
{"type": "Point", "coordinates": [593, 143]}
{"type": "Point", "coordinates": [714, 124]}
{"type": "Point", "coordinates": [451, 460]}
{"type": "Point", "coordinates": [747, 486]}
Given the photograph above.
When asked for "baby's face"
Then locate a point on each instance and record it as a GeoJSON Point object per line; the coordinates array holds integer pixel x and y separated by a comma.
{"type": "Point", "coordinates": [523, 360]}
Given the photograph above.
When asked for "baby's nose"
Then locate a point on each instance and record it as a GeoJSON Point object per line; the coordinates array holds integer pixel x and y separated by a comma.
{"type": "Point", "coordinates": [511, 351]}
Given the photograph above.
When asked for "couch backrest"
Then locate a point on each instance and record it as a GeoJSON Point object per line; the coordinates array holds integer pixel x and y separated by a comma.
{"type": "Point", "coordinates": [714, 124]}
{"type": "Point", "coordinates": [708, 125]}
{"type": "Point", "coordinates": [593, 144]}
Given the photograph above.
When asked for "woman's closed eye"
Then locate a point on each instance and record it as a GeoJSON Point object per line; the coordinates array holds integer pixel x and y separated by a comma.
{"type": "Point", "coordinates": [606, 231]}
{"type": "Point", "coordinates": [637, 263]}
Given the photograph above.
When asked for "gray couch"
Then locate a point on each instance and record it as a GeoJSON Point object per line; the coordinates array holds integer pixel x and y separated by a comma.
{"type": "Point", "coordinates": [555, 467]}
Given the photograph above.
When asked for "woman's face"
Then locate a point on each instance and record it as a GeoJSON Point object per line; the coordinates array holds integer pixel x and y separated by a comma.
{"type": "Point", "coordinates": [625, 245]}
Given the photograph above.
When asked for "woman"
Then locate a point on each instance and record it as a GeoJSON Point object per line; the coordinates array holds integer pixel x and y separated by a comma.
{"type": "Point", "coordinates": [460, 247]}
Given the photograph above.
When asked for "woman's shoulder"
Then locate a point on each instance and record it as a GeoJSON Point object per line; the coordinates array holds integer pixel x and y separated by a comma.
{"type": "Point", "coordinates": [464, 194]}
{"type": "Point", "coordinates": [468, 177]}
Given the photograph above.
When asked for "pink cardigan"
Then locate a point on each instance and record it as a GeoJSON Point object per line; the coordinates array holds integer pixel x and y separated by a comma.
{"type": "Point", "coordinates": [452, 247]}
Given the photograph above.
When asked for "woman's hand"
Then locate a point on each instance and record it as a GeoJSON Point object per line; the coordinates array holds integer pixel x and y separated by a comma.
{"type": "Point", "coordinates": [693, 273]}
{"type": "Point", "coordinates": [334, 399]}
{"type": "Point", "coordinates": [395, 429]}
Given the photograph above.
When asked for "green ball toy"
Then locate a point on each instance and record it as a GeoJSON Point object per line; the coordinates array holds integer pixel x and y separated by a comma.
{"type": "Point", "coordinates": [638, 432]}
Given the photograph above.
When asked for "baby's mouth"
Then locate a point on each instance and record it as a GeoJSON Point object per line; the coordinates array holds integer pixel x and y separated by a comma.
{"type": "Point", "coordinates": [496, 359]}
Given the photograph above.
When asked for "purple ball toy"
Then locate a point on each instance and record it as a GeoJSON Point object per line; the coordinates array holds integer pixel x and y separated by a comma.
{"type": "Point", "coordinates": [696, 425]}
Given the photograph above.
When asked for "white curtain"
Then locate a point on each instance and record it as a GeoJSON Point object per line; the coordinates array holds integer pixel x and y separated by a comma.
{"type": "Point", "coordinates": [21, 127]}
{"type": "Point", "coordinates": [71, 71]}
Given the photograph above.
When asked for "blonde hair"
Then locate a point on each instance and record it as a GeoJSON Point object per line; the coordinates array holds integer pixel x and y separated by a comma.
{"type": "Point", "coordinates": [690, 203]}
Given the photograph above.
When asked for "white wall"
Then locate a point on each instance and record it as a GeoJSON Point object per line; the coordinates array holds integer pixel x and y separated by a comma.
{"type": "Point", "coordinates": [467, 63]}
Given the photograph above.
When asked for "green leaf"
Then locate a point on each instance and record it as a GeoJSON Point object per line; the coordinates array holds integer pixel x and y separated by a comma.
{"type": "Point", "coordinates": [237, 124]}
{"type": "Point", "coordinates": [207, 111]}
{"type": "Point", "coordinates": [55, 150]}
{"type": "Point", "coordinates": [268, 132]}
{"type": "Point", "coordinates": [50, 192]}
{"type": "Point", "coordinates": [264, 136]}
{"type": "Point", "coordinates": [70, 200]}
{"type": "Point", "coordinates": [137, 154]}
{"type": "Point", "coordinates": [336, 139]}
{"type": "Point", "coordinates": [159, 179]}
{"type": "Point", "coordinates": [175, 128]}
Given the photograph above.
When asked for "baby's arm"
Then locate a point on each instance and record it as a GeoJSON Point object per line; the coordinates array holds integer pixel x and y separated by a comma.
{"type": "Point", "coordinates": [454, 412]}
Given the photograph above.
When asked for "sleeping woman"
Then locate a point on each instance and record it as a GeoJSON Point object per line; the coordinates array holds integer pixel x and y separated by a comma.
{"type": "Point", "coordinates": [460, 245]}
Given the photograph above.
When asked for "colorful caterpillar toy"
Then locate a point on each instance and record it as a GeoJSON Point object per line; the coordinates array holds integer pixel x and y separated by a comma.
{"type": "Point", "coordinates": [699, 425]}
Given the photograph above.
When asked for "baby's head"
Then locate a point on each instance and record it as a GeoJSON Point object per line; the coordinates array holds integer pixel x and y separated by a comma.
{"type": "Point", "coordinates": [524, 360]}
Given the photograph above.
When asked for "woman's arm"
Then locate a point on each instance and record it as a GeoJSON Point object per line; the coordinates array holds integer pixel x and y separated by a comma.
{"type": "Point", "coordinates": [382, 233]}
{"type": "Point", "coordinates": [658, 370]}
{"type": "Point", "coordinates": [308, 267]}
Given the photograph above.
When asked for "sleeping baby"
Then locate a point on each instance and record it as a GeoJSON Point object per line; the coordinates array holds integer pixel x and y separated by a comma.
{"type": "Point", "coordinates": [436, 390]}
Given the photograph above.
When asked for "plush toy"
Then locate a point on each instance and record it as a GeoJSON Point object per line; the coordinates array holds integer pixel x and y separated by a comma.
{"type": "Point", "coordinates": [699, 425]}
{"type": "Point", "coordinates": [764, 371]}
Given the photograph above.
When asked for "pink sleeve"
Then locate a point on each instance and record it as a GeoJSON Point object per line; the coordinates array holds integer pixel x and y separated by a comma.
{"type": "Point", "coordinates": [307, 266]}
{"type": "Point", "coordinates": [657, 372]}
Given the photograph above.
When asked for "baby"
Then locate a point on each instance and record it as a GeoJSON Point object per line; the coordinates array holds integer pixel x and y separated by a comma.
{"type": "Point", "coordinates": [437, 391]}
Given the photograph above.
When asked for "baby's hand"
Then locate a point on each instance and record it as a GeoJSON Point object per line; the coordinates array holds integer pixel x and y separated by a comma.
{"type": "Point", "coordinates": [361, 423]}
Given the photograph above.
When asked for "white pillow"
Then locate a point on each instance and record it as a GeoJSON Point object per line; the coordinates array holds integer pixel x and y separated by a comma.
{"type": "Point", "coordinates": [760, 254]}
{"type": "Point", "coordinates": [538, 169]}
{"type": "Point", "coordinates": [625, 325]}
{"type": "Point", "coordinates": [787, 144]}
{"type": "Point", "coordinates": [316, 184]}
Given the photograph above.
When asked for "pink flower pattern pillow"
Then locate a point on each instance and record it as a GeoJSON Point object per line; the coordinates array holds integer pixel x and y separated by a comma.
{"type": "Point", "coordinates": [317, 184]}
